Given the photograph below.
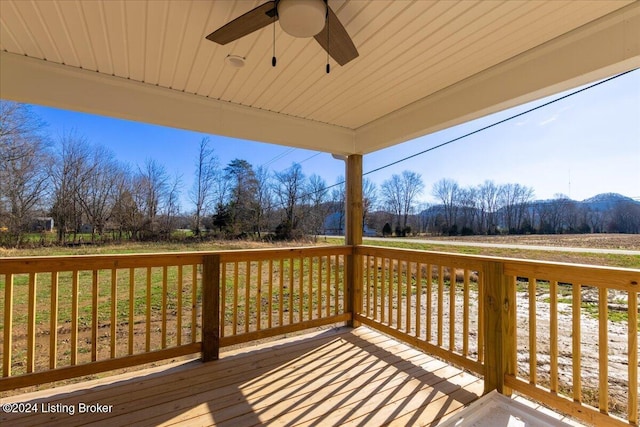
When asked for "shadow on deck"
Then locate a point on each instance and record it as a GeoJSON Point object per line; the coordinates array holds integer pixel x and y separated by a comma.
{"type": "Point", "coordinates": [334, 377]}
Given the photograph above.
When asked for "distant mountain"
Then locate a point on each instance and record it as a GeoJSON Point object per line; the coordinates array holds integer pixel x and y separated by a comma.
{"type": "Point", "coordinates": [606, 201]}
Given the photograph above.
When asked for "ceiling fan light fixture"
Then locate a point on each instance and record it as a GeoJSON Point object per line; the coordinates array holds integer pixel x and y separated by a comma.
{"type": "Point", "coordinates": [302, 18]}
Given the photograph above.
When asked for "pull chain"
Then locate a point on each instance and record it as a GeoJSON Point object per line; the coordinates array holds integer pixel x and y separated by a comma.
{"type": "Point", "coordinates": [328, 66]}
{"type": "Point", "coordinates": [273, 58]}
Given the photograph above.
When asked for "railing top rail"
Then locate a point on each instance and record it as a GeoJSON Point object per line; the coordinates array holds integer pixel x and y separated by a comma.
{"type": "Point", "coordinates": [38, 264]}
{"type": "Point", "coordinates": [612, 277]}
{"type": "Point", "coordinates": [283, 253]}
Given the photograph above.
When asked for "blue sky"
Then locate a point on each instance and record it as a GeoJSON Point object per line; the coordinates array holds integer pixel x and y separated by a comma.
{"type": "Point", "coordinates": [580, 146]}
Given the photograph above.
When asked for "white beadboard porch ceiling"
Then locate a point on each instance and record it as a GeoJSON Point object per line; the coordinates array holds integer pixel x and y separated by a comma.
{"type": "Point", "coordinates": [418, 60]}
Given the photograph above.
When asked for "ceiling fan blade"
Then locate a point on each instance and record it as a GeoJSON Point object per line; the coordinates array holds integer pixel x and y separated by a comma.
{"type": "Point", "coordinates": [340, 46]}
{"type": "Point", "coordinates": [251, 21]}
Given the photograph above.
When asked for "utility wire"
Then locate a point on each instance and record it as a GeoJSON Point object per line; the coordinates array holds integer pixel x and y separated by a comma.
{"type": "Point", "coordinates": [451, 141]}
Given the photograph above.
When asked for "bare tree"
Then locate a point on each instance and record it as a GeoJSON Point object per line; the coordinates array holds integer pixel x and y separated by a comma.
{"type": "Point", "coordinates": [24, 166]}
{"type": "Point", "coordinates": [514, 200]}
{"type": "Point", "coordinates": [152, 185]}
{"type": "Point", "coordinates": [468, 201]}
{"type": "Point", "coordinates": [391, 190]}
{"type": "Point", "coordinates": [399, 193]}
{"type": "Point", "coordinates": [98, 192]}
{"type": "Point", "coordinates": [264, 199]}
{"type": "Point", "coordinates": [206, 173]}
{"type": "Point", "coordinates": [625, 218]}
{"type": "Point", "coordinates": [317, 191]}
{"type": "Point", "coordinates": [488, 205]}
{"type": "Point", "coordinates": [70, 172]}
{"type": "Point", "coordinates": [369, 198]}
{"type": "Point", "coordinates": [289, 191]}
{"type": "Point", "coordinates": [125, 210]}
{"type": "Point", "coordinates": [171, 207]}
{"type": "Point", "coordinates": [20, 131]}
{"type": "Point", "coordinates": [447, 192]}
{"type": "Point", "coordinates": [338, 200]}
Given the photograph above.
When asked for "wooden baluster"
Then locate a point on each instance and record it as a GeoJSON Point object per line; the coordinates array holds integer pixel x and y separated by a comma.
{"type": "Point", "coordinates": [310, 307]}
{"type": "Point", "coordinates": [429, 301]}
{"type": "Point", "coordinates": [94, 315]}
{"type": "Point", "coordinates": [409, 288]}
{"type": "Point", "coordinates": [247, 296]}
{"type": "Point", "coordinates": [336, 272]}
{"type": "Point", "coordinates": [31, 327]}
{"type": "Point", "coordinates": [391, 287]}
{"type": "Point", "coordinates": [383, 281]}
{"type": "Point", "coordinates": [440, 303]}
{"type": "Point", "coordinates": [452, 308]}
{"type": "Point", "coordinates": [114, 311]}
{"type": "Point", "coordinates": [398, 294]}
{"type": "Point", "coordinates": [148, 313]}
{"type": "Point", "coordinates": [236, 283]}
{"type": "Point", "coordinates": [53, 328]}
{"type": "Point", "coordinates": [281, 297]}
{"type": "Point", "coordinates": [194, 303]}
{"type": "Point", "coordinates": [179, 307]}
{"type": "Point", "coordinates": [132, 299]}
{"type": "Point", "coordinates": [328, 290]}
{"type": "Point", "coordinates": [375, 288]}
{"type": "Point", "coordinates": [74, 317]}
{"type": "Point", "coordinates": [270, 299]}
{"type": "Point", "coordinates": [301, 289]}
{"type": "Point", "coordinates": [259, 297]}
{"type": "Point", "coordinates": [8, 325]}
{"type": "Point", "coordinates": [553, 332]}
{"type": "Point", "coordinates": [632, 326]}
{"type": "Point", "coordinates": [164, 307]}
{"type": "Point", "coordinates": [576, 346]}
{"type": "Point", "coordinates": [291, 269]}
{"type": "Point", "coordinates": [319, 306]}
{"type": "Point", "coordinates": [367, 286]}
{"type": "Point", "coordinates": [465, 315]}
{"type": "Point", "coordinates": [418, 299]}
{"type": "Point", "coordinates": [533, 353]}
{"type": "Point", "coordinates": [603, 350]}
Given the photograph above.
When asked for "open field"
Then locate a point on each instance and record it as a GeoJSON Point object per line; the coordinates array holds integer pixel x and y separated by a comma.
{"type": "Point", "coordinates": [603, 241]}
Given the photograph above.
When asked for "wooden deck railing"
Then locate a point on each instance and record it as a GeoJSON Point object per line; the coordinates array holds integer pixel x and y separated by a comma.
{"type": "Point", "coordinates": [539, 328]}
{"type": "Point", "coordinates": [429, 301]}
{"type": "Point", "coordinates": [542, 329]}
{"type": "Point", "coordinates": [577, 354]}
{"type": "Point", "coordinates": [268, 293]}
{"type": "Point", "coordinates": [64, 317]}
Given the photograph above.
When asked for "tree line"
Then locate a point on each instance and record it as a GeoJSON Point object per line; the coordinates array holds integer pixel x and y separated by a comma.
{"type": "Point", "coordinates": [511, 208]}
{"type": "Point", "coordinates": [87, 191]}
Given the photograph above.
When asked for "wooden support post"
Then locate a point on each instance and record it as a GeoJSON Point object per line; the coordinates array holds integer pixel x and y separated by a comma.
{"type": "Point", "coordinates": [500, 328]}
{"type": "Point", "coordinates": [353, 235]}
{"type": "Point", "coordinates": [210, 307]}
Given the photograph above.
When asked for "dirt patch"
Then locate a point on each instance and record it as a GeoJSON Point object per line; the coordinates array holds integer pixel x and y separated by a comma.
{"type": "Point", "coordinates": [601, 241]}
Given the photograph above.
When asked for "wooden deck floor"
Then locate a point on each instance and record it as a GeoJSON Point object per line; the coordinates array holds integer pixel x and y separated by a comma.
{"type": "Point", "coordinates": [335, 377]}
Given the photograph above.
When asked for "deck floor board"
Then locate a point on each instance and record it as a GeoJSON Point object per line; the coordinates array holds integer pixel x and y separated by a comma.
{"type": "Point", "coordinates": [334, 377]}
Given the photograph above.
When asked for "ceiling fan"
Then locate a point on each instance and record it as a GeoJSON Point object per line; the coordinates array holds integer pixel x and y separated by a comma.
{"type": "Point", "coordinates": [299, 18]}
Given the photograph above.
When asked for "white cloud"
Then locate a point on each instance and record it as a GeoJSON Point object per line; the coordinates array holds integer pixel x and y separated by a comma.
{"type": "Point", "coordinates": [549, 120]}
